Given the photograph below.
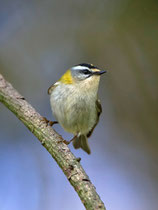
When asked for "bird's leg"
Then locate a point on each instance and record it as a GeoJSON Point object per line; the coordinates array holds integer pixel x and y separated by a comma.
{"type": "Point", "coordinates": [68, 142]}
{"type": "Point", "coordinates": [48, 122]}
{"type": "Point", "coordinates": [51, 123]}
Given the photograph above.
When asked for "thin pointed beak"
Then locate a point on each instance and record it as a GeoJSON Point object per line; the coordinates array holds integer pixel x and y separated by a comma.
{"type": "Point", "coordinates": [99, 72]}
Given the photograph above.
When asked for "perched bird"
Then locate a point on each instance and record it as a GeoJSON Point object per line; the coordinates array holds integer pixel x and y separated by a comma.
{"type": "Point", "coordinates": [75, 104]}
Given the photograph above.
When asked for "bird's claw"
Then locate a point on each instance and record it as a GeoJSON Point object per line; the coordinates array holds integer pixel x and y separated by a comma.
{"type": "Point", "coordinates": [48, 122]}
{"type": "Point", "coordinates": [65, 141]}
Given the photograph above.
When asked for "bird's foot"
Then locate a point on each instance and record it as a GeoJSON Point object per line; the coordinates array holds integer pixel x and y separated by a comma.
{"type": "Point", "coordinates": [48, 122]}
{"type": "Point", "coordinates": [51, 123]}
{"type": "Point", "coordinates": [67, 142]}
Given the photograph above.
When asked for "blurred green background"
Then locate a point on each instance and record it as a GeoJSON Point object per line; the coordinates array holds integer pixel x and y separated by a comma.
{"type": "Point", "coordinates": [39, 40]}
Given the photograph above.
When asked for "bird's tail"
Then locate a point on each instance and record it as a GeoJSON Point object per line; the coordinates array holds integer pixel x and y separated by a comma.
{"type": "Point", "coordinates": [82, 142]}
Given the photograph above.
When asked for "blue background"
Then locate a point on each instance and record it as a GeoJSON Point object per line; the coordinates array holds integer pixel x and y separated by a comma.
{"type": "Point", "coordinates": [39, 41]}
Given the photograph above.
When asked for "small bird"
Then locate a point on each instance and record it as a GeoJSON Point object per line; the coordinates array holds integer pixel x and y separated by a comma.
{"type": "Point", "coordinates": [75, 103]}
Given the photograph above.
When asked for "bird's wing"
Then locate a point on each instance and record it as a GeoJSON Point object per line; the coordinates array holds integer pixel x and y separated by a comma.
{"type": "Point", "coordinates": [99, 111]}
{"type": "Point", "coordinates": [52, 87]}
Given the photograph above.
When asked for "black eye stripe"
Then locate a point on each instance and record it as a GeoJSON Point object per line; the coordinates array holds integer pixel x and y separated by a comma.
{"type": "Point", "coordinates": [86, 72]}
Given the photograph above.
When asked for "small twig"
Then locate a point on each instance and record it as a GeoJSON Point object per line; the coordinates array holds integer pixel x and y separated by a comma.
{"type": "Point", "coordinates": [49, 139]}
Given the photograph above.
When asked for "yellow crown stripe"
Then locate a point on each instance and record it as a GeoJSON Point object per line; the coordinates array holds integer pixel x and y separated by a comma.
{"type": "Point", "coordinates": [67, 78]}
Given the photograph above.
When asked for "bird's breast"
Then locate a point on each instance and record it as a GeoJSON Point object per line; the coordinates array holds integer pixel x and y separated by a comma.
{"type": "Point", "coordinates": [74, 108]}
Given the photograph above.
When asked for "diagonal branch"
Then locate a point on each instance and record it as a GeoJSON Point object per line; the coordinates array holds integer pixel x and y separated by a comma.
{"type": "Point", "coordinates": [52, 142]}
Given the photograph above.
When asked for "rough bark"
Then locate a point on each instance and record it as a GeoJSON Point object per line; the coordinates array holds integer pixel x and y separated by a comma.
{"type": "Point", "coordinates": [52, 141]}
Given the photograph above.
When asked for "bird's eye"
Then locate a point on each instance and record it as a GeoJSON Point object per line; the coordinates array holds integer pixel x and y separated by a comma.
{"type": "Point", "coordinates": [86, 71]}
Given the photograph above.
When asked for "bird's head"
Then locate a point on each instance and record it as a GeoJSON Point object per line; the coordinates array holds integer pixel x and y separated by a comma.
{"type": "Point", "coordinates": [81, 72]}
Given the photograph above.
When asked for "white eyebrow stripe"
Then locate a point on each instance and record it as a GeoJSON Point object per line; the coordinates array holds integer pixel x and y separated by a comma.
{"type": "Point", "coordinates": [80, 68]}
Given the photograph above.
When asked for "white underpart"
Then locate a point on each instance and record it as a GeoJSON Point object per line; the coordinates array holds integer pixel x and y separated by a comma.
{"type": "Point", "coordinates": [74, 105]}
{"type": "Point", "coordinates": [57, 83]}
